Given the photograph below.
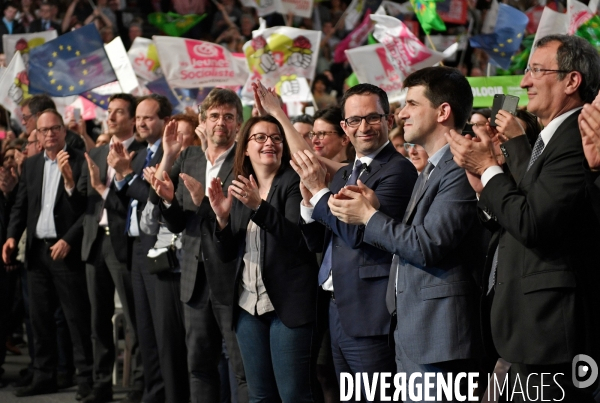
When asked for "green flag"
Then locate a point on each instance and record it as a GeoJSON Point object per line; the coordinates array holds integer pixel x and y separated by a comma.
{"type": "Point", "coordinates": [425, 10]}
{"type": "Point", "coordinates": [174, 24]}
{"type": "Point", "coordinates": [352, 80]}
{"type": "Point", "coordinates": [590, 31]}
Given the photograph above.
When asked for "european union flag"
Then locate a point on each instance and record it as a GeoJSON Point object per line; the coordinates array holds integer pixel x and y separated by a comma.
{"type": "Point", "coordinates": [70, 64]}
{"type": "Point", "coordinates": [97, 99]}
{"type": "Point", "coordinates": [161, 86]}
{"type": "Point", "coordinates": [506, 38]}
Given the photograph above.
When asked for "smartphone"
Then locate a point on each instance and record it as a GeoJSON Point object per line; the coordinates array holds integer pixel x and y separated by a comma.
{"type": "Point", "coordinates": [510, 104]}
{"type": "Point", "coordinates": [76, 114]}
{"type": "Point", "coordinates": [496, 106]}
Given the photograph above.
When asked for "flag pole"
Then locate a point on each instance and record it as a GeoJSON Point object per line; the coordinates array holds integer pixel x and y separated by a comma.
{"type": "Point", "coordinates": [489, 69]}
{"type": "Point", "coordinates": [433, 47]}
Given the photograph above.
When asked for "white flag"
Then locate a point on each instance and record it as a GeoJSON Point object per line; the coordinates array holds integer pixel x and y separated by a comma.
{"type": "Point", "coordinates": [115, 50]}
{"type": "Point", "coordinates": [189, 63]}
{"type": "Point", "coordinates": [302, 8]}
{"type": "Point", "coordinates": [14, 86]}
{"type": "Point", "coordinates": [144, 59]}
{"type": "Point", "coordinates": [25, 42]}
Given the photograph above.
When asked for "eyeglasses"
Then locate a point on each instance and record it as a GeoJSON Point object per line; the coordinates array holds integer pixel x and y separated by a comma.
{"type": "Point", "coordinates": [372, 119]}
{"type": "Point", "coordinates": [45, 130]}
{"type": "Point", "coordinates": [537, 72]}
{"type": "Point", "coordinates": [477, 124]}
{"type": "Point", "coordinates": [408, 146]}
{"type": "Point", "coordinates": [320, 135]}
{"type": "Point", "coordinates": [27, 117]}
{"type": "Point", "coordinates": [228, 117]}
{"type": "Point", "coordinates": [262, 138]}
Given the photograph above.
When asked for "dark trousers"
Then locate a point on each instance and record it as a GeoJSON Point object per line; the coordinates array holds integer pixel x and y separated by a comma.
{"type": "Point", "coordinates": [206, 325]}
{"type": "Point", "coordinates": [54, 282]}
{"type": "Point", "coordinates": [170, 335]}
{"type": "Point", "coordinates": [358, 354]}
{"type": "Point", "coordinates": [144, 294]}
{"type": "Point", "coordinates": [277, 359]}
{"type": "Point", "coordinates": [105, 274]}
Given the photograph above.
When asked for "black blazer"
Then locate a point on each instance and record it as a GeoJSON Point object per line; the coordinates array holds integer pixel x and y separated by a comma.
{"type": "Point", "coordinates": [213, 278]}
{"type": "Point", "coordinates": [116, 203]}
{"type": "Point", "coordinates": [27, 208]}
{"type": "Point", "coordinates": [36, 26]}
{"type": "Point", "coordinates": [360, 270]}
{"type": "Point", "coordinates": [289, 269]}
{"type": "Point", "coordinates": [545, 308]}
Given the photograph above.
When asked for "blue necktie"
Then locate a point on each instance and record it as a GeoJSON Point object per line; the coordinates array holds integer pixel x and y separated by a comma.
{"type": "Point", "coordinates": [133, 202]}
{"type": "Point", "coordinates": [327, 263]}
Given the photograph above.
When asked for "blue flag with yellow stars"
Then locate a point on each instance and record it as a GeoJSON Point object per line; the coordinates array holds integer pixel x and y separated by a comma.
{"type": "Point", "coordinates": [70, 64]}
{"type": "Point", "coordinates": [97, 99]}
{"type": "Point", "coordinates": [506, 39]}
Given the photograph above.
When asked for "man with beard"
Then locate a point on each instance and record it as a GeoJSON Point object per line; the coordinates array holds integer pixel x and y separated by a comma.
{"type": "Point", "coordinates": [206, 283]}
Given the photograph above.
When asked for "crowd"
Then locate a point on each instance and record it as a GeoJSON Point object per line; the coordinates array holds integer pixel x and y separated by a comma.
{"type": "Point", "coordinates": [274, 254]}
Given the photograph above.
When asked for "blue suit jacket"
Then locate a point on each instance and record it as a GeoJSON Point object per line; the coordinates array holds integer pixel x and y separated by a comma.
{"type": "Point", "coordinates": [439, 258]}
{"type": "Point", "coordinates": [360, 271]}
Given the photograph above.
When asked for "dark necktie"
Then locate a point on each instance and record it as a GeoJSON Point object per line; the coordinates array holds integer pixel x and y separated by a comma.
{"type": "Point", "coordinates": [133, 202]}
{"type": "Point", "coordinates": [538, 147]}
{"type": "Point", "coordinates": [326, 264]}
{"type": "Point", "coordinates": [390, 295]}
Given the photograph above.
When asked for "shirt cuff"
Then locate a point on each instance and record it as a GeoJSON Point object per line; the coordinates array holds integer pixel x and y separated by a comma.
{"type": "Point", "coordinates": [105, 193]}
{"type": "Point", "coordinates": [69, 191]}
{"type": "Point", "coordinates": [166, 203]}
{"type": "Point", "coordinates": [315, 199]}
{"type": "Point", "coordinates": [490, 173]}
{"type": "Point", "coordinates": [306, 213]}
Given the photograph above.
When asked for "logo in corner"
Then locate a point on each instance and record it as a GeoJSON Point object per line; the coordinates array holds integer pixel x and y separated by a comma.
{"type": "Point", "coordinates": [585, 371]}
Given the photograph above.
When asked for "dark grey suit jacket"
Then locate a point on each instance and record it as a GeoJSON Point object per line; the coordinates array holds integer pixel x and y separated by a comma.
{"type": "Point", "coordinates": [213, 278]}
{"type": "Point", "coordinates": [116, 203]}
{"type": "Point", "coordinates": [439, 267]}
{"type": "Point", "coordinates": [27, 208]}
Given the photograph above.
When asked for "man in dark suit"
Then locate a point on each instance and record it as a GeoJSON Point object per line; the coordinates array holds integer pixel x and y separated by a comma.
{"type": "Point", "coordinates": [45, 23]}
{"type": "Point", "coordinates": [206, 283]}
{"type": "Point", "coordinates": [106, 248]}
{"type": "Point", "coordinates": [354, 272]}
{"type": "Point", "coordinates": [433, 282]}
{"type": "Point", "coordinates": [9, 25]}
{"type": "Point", "coordinates": [544, 310]}
{"type": "Point", "coordinates": [55, 272]}
{"type": "Point", "coordinates": [152, 112]}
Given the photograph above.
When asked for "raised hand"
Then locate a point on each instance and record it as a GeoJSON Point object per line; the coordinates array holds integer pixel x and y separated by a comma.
{"type": "Point", "coordinates": [220, 204]}
{"type": "Point", "coordinates": [508, 125]}
{"type": "Point", "coordinates": [194, 187]}
{"type": "Point", "coordinates": [120, 160]}
{"type": "Point", "coordinates": [171, 142]}
{"type": "Point", "coordinates": [95, 181]}
{"type": "Point", "coordinates": [163, 188]}
{"type": "Point", "coordinates": [310, 170]}
{"type": "Point", "coordinates": [246, 191]}
{"type": "Point", "coordinates": [267, 99]}
{"type": "Point", "coordinates": [589, 125]}
{"type": "Point", "coordinates": [65, 169]}
{"type": "Point", "coordinates": [149, 173]}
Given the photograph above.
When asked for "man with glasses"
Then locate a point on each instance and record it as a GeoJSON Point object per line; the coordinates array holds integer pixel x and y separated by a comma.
{"type": "Point", "coordinates": [543, 279]}
{"type": "Point", "coordinates": [206, 283]}
{"type": "Point", "coordinates": [433, 284]}
{"type": "Point", "coordinates": [352, 272]}
{"type": "Point", "coordinates": [55, 271]}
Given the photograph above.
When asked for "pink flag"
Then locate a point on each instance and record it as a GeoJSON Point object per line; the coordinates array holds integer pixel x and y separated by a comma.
{"type": "Point", "coordinates": [354, 39]}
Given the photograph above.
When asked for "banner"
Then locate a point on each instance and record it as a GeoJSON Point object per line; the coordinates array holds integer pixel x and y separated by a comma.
{"type": "Point", "coordinates": [144, 59]}
{"type": "Point", "coordinates": [280, 54]}
{"type": "Point", "coordinates": [484, 89]}
{"type": "Point", "coordinates": [14, 86]}
{"type": "Point", "coordinates": [189, 63]}
{"type": "Point", "coordinates": [453, 11]}
{"type": "Point", "coordinates": [301, 8]}
{"type": "Point", "coordinates": [354, 39]}
{"type": "Point", "coordinates": [25, 42]}
{"type": "Point", "coordinates": [115, 50]}
{"type": "Point", "coordinates": [174, 24]}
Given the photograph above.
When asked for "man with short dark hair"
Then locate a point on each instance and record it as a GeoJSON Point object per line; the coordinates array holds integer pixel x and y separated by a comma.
{"type": "Point", "coordinates": [543, 278]}
{"type": "Point", "coordinates": [433, 283]}
{"type": "Point", "coordinates": [206, 282]}
{"type": "Point", "coordinates": [353, 272]}
{"type": "Point", "coordinates": [106, 247]}
{"type": "Point", "coordinates": [55, 270]}
{"type": "Point", "coordinates": [45, 23]}
{"type": "Point", "coordinates": [9, 25]}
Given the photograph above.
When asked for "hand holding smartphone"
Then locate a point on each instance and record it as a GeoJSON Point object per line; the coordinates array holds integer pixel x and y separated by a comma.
{"type": "Point", "coordinates": [507, 103]}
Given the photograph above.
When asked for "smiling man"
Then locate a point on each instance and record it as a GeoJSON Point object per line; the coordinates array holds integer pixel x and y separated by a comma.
{"type": "Point", "coordinates": [353, 272]}
{"type": "Point", "coordinates": [544, 278]}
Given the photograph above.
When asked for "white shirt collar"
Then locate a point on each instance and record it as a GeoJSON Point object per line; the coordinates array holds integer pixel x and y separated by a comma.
{"type": "Point", "coordinates": [549, 130]}
{"type": "Point", "coordinates": [367, 159]}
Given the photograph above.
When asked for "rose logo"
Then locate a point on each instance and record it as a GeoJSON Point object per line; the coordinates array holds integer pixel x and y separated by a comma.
{"type": "Point", "coordinates": [205, 50]}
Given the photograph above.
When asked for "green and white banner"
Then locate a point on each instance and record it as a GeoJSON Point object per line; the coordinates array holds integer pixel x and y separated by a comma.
{"type": "Point", "coordinates": [484, 89]}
